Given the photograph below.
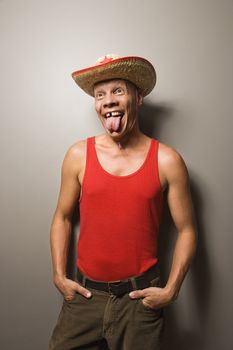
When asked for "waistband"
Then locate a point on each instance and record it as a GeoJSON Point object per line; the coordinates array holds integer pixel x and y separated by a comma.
{"type": "Point", "coordinates": [121, 287]}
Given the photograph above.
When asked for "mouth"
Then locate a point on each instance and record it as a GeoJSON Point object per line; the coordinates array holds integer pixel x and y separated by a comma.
{"type": "Point", "coordinates": [114, 114]}
{"type": "Point", "coordinates": [113, 120]}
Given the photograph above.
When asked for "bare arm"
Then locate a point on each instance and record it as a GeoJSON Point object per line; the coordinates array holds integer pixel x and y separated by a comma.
{"type": "Point", "coordinates": [180, 205]}
{"type": "Point", "coordinates": [181, 209]}
{"type": "Point", "coordinates": [61, 223]}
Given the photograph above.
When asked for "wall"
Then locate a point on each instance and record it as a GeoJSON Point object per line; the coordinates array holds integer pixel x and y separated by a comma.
{"type": "Point", "coordinates": [43, 113]}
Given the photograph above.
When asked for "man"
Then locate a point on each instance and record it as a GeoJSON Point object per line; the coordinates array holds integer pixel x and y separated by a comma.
{"type": "Point", "coordinates": [119, 178]}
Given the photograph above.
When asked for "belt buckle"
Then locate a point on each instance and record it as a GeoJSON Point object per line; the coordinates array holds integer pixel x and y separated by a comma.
{"type": "Point", "coordinates": [117, 289]}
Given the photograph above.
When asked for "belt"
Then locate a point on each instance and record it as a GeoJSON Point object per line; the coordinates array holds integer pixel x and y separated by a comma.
{"type": "Point", "coordinates": [123, 286]}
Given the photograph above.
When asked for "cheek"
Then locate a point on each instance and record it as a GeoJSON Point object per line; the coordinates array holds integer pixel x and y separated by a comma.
{"type": "Point", "coordinates": [97, 108]}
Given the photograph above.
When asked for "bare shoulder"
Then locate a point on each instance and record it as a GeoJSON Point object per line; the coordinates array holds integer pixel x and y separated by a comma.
{"type": "Point", "coordinates": [75, 155]}
{"type": "Point", "coordinates": [77, 149]}
{"type": "Point", "coordinates": [171, 163]}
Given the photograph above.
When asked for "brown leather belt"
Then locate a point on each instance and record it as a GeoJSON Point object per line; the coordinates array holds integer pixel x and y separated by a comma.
{"type": "Point", "coordinates": [121, 287]}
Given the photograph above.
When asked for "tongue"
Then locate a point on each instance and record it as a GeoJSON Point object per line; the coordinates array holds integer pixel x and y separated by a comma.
{"type": "Point", "coordinates": [113, 123]}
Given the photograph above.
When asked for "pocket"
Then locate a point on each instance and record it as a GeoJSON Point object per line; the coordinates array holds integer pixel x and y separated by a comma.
{"type": "Point", "coordinates": [155, 282]}
{"type": "Point", "coordinates": [69, 301]}
{"type": "Point", "coordinates": [158, 312]}
{"type": "Point", "coordinates": [147, 307]}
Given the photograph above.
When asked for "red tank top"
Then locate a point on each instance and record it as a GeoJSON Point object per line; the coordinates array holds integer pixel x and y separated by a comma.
{"type": "Point", "coordinates": [119, 218]}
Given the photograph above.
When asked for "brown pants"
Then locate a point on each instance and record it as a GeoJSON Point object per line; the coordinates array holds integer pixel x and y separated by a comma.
{"type": "Point", "coordinates": [107, 322]}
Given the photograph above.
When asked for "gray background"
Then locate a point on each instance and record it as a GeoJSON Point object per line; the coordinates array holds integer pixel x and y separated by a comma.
{"type": "Point", "coordinates": [43, 112]}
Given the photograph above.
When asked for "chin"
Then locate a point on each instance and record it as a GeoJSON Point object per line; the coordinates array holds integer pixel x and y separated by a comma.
{"type": "Point", "coordinates": [117, 136]}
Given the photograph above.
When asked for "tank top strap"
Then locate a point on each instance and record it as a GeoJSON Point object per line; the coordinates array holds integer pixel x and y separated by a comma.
{"type": "Point", "coordinates": [153, 154]}
{"type": "Point", "coordinates": [151, 171]}
{"type": "Point", "coordinates": [91, 153]}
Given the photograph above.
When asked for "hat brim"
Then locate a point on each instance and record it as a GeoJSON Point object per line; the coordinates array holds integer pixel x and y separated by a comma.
{"type": "Point", "coordinates": [137, 70]}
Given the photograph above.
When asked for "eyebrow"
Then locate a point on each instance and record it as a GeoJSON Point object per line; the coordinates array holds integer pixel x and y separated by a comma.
{"type": "Point", "coordinates": [115, 86]}
{"type": "Point", "coordinates": [98, 90]}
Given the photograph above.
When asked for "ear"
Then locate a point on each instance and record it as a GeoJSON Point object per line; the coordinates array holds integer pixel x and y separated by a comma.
{"type": "Point", "coordinates": [139, 98]}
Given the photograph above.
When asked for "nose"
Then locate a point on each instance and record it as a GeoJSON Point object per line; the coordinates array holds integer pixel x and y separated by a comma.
{"type": "Point", "coordinates": [110, 101]}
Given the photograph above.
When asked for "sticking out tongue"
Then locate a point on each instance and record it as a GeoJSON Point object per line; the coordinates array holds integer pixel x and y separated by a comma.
{"type": "Point", "coordinates": [112, 123]}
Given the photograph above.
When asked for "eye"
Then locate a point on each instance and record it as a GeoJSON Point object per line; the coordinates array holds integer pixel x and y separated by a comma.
{"type": "Point", "coordinates": [99, 95]}
{"type": "Point", "coordinates": [119, 90]}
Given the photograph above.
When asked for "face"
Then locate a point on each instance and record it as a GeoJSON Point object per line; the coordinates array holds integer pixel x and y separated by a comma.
{"type": "Point", "coordinates": [116, 103]}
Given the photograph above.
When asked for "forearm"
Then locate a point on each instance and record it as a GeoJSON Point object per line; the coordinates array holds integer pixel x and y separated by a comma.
{"type": "Point", "coordinates": [184, 251]}
{"type": "Point", "coordinates": [59, 243]}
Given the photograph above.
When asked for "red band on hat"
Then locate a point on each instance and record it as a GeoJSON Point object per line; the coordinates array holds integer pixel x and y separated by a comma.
{"type": "Point", "coordinates": [108, 60]}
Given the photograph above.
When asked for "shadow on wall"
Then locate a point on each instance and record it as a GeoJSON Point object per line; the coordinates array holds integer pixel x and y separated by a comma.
{"type": "Point", "coordinates": [176, 335]}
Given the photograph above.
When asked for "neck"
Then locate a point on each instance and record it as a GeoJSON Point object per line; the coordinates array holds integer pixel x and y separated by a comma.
{"type": "Point", "coordinates": [130, 139]}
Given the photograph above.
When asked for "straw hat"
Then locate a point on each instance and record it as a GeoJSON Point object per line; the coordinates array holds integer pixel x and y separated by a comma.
{"type": "Point", "coordinates": [137, 70]}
